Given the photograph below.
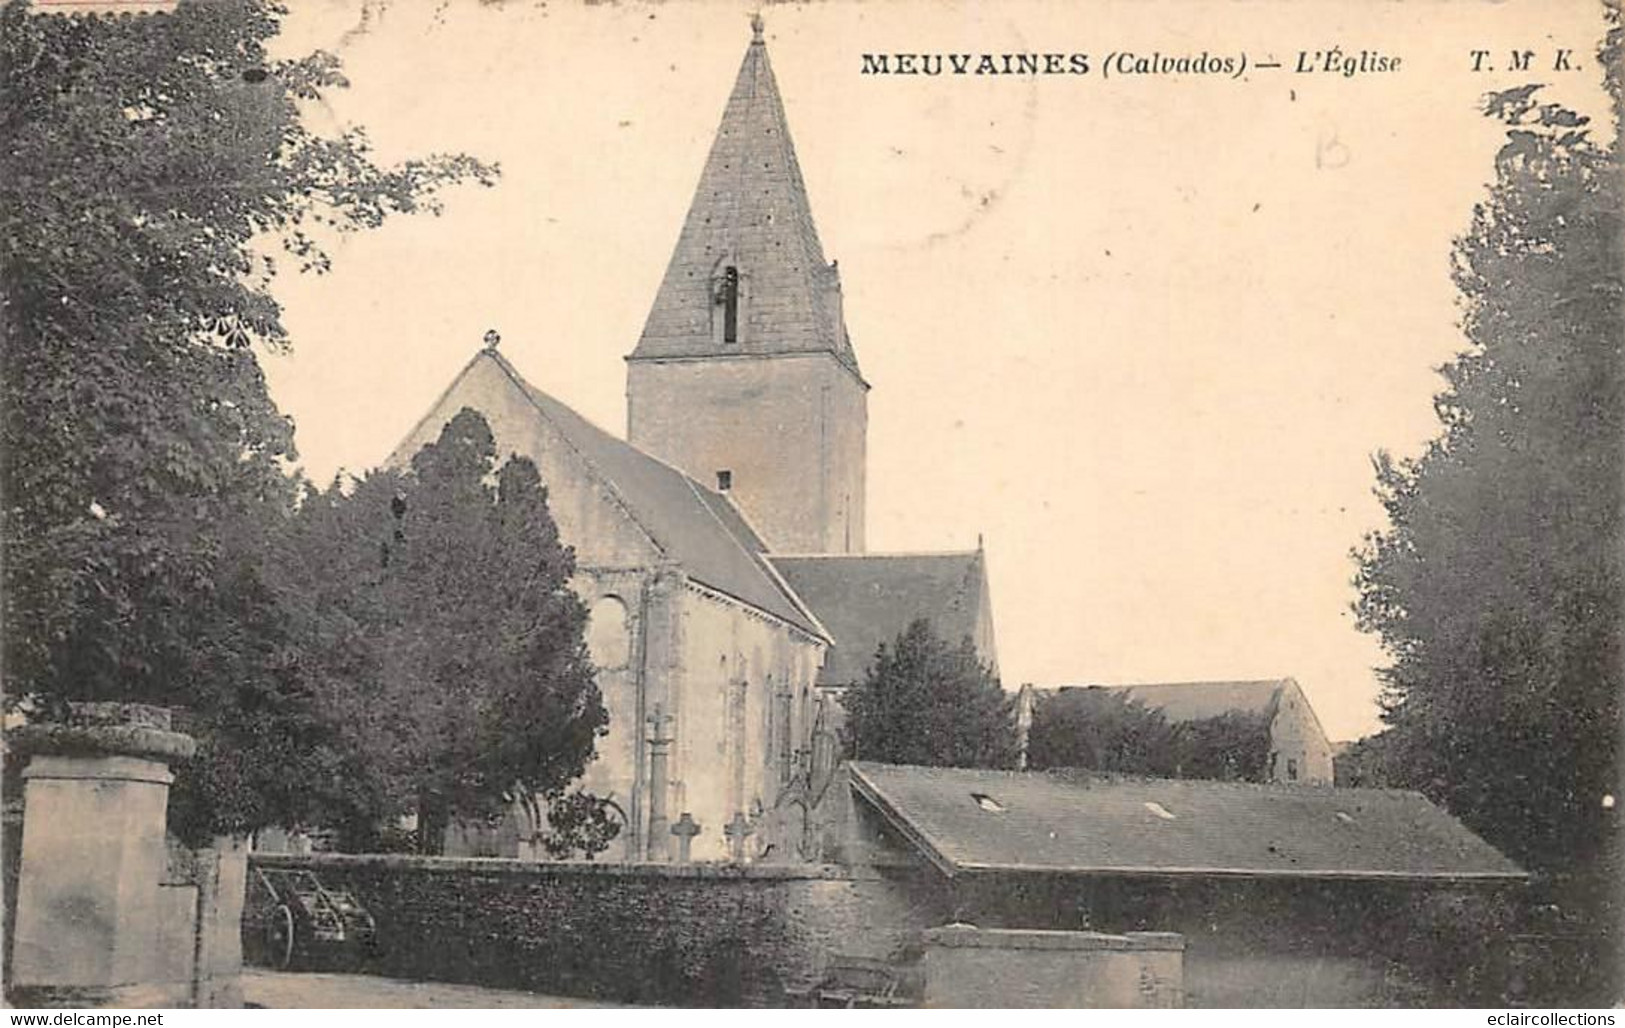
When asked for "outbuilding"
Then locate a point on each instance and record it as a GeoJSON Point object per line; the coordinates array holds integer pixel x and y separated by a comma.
{"type": "Point", "coordinates": [1287, 895]}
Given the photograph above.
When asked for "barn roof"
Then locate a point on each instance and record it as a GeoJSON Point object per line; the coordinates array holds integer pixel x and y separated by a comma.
{"type": "Point", "coordinates": [868, 599]}
{"type": "Point", "coordinates": [969, 820]}
{"type": "Point", "coordinates": [1196, 701]}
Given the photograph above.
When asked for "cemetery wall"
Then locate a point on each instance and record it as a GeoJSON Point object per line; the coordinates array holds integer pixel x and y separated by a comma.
{"type": "Point", "coordinates": [688, 934]}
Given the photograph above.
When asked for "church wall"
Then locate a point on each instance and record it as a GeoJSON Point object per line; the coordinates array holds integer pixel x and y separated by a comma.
{"type": "Point", "coordinates": [725, 761]}
{"type": "Point", "coordinates": [620, 605]}
{"type": "Point", "coordinates": [616, 565]}
{"type": "Point", "coordinates": [790, 429]}
{"type": "Point", "coordinates": [631, 634]}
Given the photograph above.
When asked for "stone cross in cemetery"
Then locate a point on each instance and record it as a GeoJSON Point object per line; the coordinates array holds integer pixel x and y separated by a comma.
{"type": "Point", "coordinates": [685, 829]}
{"type": "Point", "coordinates": [737, 831]}
{"type": "Point", "coordinates": [660, 741]}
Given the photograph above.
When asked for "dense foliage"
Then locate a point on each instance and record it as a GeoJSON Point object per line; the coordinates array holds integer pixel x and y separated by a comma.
{"type": "Point", "coordinates": [1496, 587]}
{"type": "Point", "coordinates": [1365, 762]}
{"type": "Point", "coordinates": [1100, 729]}
{"type": "Point", "coordinates": [451, 646]}
{"type": "Point", "coordinates": [928, 701]}
{"type": "Point", "coordinates": [1109, 730]}
{"type": "Point", "coordinates": [141, 458]}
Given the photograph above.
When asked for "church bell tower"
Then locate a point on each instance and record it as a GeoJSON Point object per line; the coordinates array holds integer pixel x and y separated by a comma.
{"type": "Point", "coordinates": [744, 376]}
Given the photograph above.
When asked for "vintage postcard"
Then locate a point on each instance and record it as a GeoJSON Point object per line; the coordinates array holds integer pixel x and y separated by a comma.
{"type": "Point", "coordinates": [844, 504]}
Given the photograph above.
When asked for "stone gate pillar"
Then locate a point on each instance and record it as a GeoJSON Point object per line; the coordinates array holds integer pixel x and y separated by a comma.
{"type": "Point", "coordinates": [89, 907]}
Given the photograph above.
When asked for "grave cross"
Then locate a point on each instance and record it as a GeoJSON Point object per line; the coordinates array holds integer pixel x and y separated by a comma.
{"type": "Point", "coordinates": [685, 829]}
{"type": "Point", "coordinates": [737, 831]}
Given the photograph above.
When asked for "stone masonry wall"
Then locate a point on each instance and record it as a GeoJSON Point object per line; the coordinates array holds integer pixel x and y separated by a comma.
{"type": "Point", "coordinates": [792, 431]}
{"type": "Point", "coordinates": [640, 933]}
{"type": "Point", "coordinates": [726, 761]}
{"type": "Point", "coordinates": [966, 966]}
{"type": "Point", "coordinates": [1296, 735]}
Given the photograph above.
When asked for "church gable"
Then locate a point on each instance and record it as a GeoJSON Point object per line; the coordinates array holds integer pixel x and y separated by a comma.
{"type": "Point", "coordinates": [618, 506]}
{"type": "Point", "coordinates": [591, 518]}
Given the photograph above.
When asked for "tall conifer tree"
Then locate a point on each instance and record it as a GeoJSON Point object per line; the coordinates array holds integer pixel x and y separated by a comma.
{"type": "Point", "coordinates": [456, 665]}
{"type": "Point", "coordinates": [928, 701]}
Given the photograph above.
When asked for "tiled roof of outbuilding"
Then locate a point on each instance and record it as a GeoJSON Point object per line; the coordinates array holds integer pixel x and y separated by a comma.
{"type": "Point", "coordinates": [868, 599]}
{"type": "Point", "coordinates": [967, 820]}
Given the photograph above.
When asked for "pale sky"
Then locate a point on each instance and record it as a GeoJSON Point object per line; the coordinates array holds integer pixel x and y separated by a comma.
{"type": "Point", "coordinates": [1141, 333]}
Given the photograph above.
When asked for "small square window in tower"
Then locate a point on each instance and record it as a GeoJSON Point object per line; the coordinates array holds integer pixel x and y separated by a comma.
{"type": "Point", "coordinates": [730, 305]}
{"type": "Point", "coordinates": [725, 481]}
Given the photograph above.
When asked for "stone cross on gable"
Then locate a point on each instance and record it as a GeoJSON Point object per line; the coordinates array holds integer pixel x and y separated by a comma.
{"type": "Point", "coordinates": [737, 831]}
{"type": "Point", "coordinates": [685, 829]}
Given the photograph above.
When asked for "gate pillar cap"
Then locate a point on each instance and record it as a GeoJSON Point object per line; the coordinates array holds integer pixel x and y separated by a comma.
{"type": "Point", "coordinates": [105, 729]}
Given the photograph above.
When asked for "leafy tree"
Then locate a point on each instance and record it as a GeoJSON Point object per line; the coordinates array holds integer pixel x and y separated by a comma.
{"type": "Point", "coordinates": [1365, 763]}
{"type": "Point", "coordinates": [141, 458]}
{"type": "Point", "coordinates": [926, 701]}
{"type": "Point", "coordinates": [456, 664]}
{"type": "Point", "coordinates": [1109, 730]}
{"type": "Point", "coordinates": [1496, 587]}
{"type": "Point", "coordinates": [1230, 747]}
{"type": "Point", "coordinates": [1101, 729]}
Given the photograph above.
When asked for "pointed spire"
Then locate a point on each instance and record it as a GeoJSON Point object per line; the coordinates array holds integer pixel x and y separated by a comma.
{"type": "Point", "coordinates": [748, 274]}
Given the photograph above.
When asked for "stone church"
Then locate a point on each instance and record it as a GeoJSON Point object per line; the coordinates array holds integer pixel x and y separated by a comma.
{"type": "Point", "coordinates": [720, 546]}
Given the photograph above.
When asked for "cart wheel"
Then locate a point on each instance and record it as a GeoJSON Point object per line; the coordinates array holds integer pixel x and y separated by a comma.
{"type": "Point", "coordinates": [279, 938]}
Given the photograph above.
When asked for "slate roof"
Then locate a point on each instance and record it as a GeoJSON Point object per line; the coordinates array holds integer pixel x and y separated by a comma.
{"type": "Point", "coordinates": [693, 525]}
{"type": "Point", "coordinates": [1195, 701]}
{"type": "Point", "coordinates": [1081, 823]}
{"type": "Point", "coordinates": [868, 599]}
{"type": "Point", "coordinates": [750, 210]}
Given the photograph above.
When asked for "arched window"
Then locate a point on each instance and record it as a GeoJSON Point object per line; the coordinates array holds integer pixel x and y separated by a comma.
{"type": "Point", "coordinates": [609, 637]}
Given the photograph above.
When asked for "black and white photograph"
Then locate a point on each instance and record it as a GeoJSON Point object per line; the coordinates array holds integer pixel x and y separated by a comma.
{"type": "Point", "coordinates": [596, 504]}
